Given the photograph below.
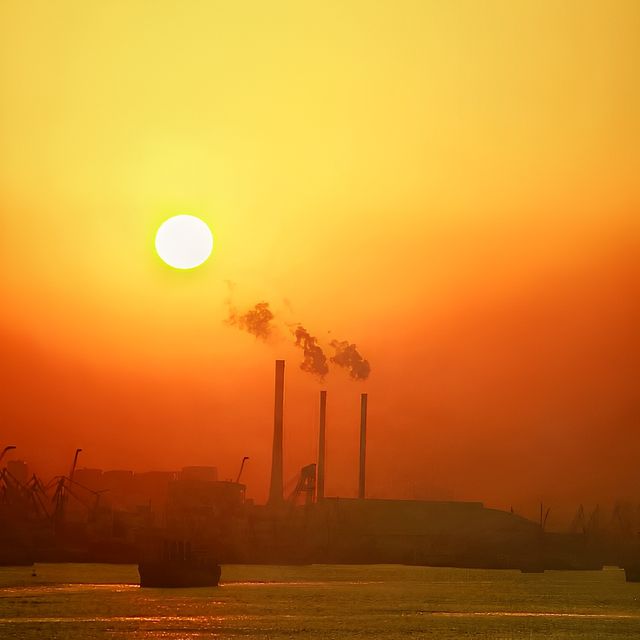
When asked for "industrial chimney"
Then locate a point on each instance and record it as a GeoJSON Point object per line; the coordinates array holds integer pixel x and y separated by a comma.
{"type": "Point", "coordinates": [276, 487]}
{"type": "Point", "coordinates": [363, 444]}
{"type": "Point", "coordinates": [321, 446]}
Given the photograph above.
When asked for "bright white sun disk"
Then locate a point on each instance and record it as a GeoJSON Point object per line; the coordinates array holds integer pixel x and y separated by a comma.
{"type": "Point", "coordinates": [184, 242]}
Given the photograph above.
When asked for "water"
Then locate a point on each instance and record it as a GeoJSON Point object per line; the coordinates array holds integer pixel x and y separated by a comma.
{"type": "Point", "coordinates": [322, 601]}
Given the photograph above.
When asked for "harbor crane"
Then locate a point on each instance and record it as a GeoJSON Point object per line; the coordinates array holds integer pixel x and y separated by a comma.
{"type": "Point", "coordinates": [7, 448]}
{"type": "Point", "coordinates": [241, 468]}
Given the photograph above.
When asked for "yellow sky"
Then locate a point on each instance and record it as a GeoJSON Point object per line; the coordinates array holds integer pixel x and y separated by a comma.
{"type": "Point", "coordinates": [359, 163]}
{"type": "Point", "coordinates": [332, 147]}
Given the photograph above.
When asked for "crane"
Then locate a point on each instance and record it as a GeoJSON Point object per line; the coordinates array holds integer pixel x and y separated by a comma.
{"type": "Point", "coordinates": [60, 495]}
{"type": "Point", "coordinates": [241, 468]}
{"type": "Point", "coordinates": [306, 485]}
{"type": "Point", "coordinates": [7, 448]}
{"type": "Point", "coordinates": [75, 462]}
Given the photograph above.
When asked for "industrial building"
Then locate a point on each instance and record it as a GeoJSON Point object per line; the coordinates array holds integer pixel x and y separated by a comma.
{"type": "Point", "coordinates": [108, 515]}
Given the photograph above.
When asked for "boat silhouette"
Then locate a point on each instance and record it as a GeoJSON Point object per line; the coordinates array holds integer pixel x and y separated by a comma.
{"type": "Point", "coordinates": [177, 566]}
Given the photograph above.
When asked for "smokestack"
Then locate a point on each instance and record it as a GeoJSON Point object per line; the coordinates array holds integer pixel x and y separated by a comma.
{"type": "Point", "coordinates": [321, 446]}
{"type": "Point", "coordinates": [363, 444]}
{"type": "Point", "coordinates": [275, 490]}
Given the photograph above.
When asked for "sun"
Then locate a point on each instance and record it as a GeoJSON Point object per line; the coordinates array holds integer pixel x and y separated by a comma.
{"type": "Point", "coordinates": [184, 242]}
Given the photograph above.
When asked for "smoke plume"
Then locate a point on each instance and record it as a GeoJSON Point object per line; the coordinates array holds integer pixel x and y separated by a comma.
{"type": "Point", "coordinates": [315, 362]}
{"type": "Point", "coordinates": [348, 357]}
{"type": "Point", "coordinates": [256, 321]}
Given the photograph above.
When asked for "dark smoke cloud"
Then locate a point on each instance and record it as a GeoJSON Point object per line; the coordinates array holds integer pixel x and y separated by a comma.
{"type": "Point", "coordinates": [256, 321]}
{"type": "Point", "coordinates": [315, 362]}
{"type": "Point", "coordinates": [348, 357]}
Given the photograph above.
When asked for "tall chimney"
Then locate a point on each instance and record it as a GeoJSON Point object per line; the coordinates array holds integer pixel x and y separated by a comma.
{"type": "Point", "coordinates": [321, 446]}
{"type": "Point", "coordinates": [275, 490]}
{"type": "Point", "coordinates": [363, 444]}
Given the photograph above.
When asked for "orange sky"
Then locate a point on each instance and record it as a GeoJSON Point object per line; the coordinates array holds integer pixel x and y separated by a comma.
{"type": "Point", "coordinates": [452, 187]}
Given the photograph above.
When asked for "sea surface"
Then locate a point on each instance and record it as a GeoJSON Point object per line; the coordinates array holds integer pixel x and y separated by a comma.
{"type": "Point", "coordinates": [84, 601]}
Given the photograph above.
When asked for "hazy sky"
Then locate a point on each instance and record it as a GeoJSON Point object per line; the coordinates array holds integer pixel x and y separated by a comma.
{"type": "Point", "coordinates": [451, 185]}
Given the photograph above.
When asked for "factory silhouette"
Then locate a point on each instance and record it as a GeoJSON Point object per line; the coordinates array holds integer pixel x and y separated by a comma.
{"type": "Point", "coordinates": [112, 516]}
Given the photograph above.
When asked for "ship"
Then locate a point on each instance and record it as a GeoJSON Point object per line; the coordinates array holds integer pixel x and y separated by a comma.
{"type": "Point", "coordinates": [631, 564]}
{"type": "Point", "coordinates": [176, 566]}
